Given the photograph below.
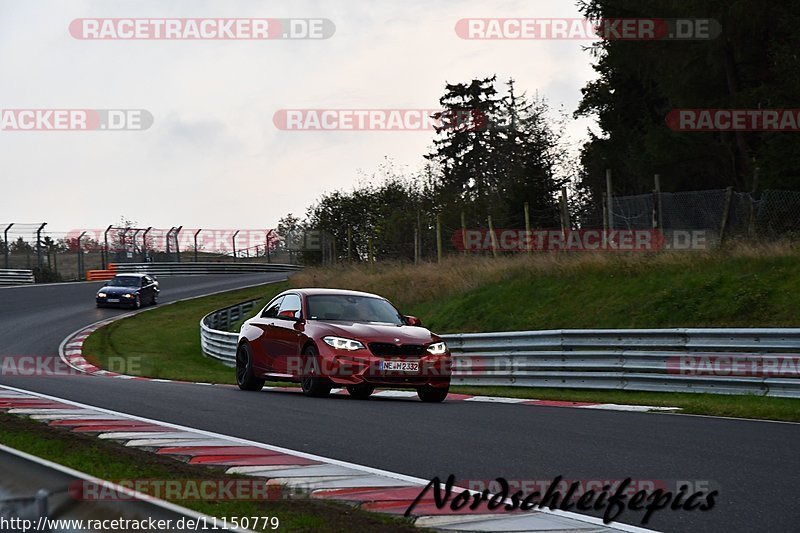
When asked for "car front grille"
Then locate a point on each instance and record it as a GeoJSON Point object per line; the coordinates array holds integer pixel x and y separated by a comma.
{"type": "Point", "coordinates": [385, 349]}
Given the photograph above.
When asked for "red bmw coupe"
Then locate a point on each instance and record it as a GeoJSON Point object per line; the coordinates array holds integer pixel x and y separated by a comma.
{"type": "Point", "coordinates": [325, 338]}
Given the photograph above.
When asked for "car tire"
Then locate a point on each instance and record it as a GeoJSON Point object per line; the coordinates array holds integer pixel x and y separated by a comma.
{"type": "Point", "coordinates": [137, 303]}
{"type": "Point", "coordinates": [314, 385]}
{"type": "Point", "coordinates": [155, 298]}
{"type": "Point", "coordinates": [360, 392]}
{"type": "Point", "coordinates": [244, 370]}
{"type": "Point", "coordinates": [430, 394]}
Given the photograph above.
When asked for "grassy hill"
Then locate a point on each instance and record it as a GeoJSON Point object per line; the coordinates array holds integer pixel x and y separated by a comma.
{"type": "Point", "coordinates": [742, 286]}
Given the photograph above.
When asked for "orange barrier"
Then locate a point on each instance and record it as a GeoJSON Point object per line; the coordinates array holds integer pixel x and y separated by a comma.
{"type": "Point", "coordinates": [101, 275]}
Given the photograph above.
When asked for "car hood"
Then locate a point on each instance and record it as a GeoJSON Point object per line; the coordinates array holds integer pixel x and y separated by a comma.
{"type": "Point", "coordinates": [118, 290]}
{"type": "Point", "coordinates": [380, 332]}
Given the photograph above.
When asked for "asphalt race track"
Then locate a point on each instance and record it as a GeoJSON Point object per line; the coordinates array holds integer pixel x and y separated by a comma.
{"type": "Point", "coordinates": [754, 465]}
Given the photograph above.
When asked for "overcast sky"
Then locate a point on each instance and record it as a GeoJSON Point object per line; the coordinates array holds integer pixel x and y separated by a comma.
{"type": "Point", "coordinates": [213, 157]}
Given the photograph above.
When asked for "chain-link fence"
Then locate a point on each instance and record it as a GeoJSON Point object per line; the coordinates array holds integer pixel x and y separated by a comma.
{"type": "Point", "coordinates": [724, 211]}
{"type": "Point", "coordinates": [64, 256]}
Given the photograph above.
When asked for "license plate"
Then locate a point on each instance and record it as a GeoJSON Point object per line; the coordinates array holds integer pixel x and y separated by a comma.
{"type": "Point", "coordinates": [113, 300]}
{"type": "Point", "coordinates": [399, 366]}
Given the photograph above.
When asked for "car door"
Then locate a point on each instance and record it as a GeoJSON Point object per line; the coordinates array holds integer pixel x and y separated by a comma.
{"type": "Point", "coordinates": [147, 289]}
{"type": "Point", "coordinates": [144, 290]}
{"type": "Point", "coordinates": [263, 346]}
{"type": "Point", "coordinates": [287, 333]}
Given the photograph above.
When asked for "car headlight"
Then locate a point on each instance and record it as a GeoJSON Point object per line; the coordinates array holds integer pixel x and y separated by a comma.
{"type": "Point", "coordinates": [341, 343]}
{"type": "Point", "coordinates": [101, 295]}
{"type": "Point", "coordinates": [128, 295]}
{"type": "Point", "coordinates": [437, 348]}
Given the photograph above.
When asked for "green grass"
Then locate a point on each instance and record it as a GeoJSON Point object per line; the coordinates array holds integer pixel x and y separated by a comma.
{"type": "Point", "coordinates": [735, 292]}
{"type": "Point", "coordinates": [115, 462]}
{"type": "Point", "coordinates": [165, 342]}
{"type": "Point", "coordinates": [735, 287]}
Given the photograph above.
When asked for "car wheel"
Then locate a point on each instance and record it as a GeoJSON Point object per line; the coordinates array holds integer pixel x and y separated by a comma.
{"type": "Point", "coordinates": [244, 370]}
{"type": "Point", "coordinates": [432, 394]}
{"type": "Point", "coordinates": [360, 392]}
{"type": "Point", "coordinates": [314, 385]}
{"type": "Point", "coordinates": [137, 303]}
{"type": "Point", "coordinates": [155, 298]}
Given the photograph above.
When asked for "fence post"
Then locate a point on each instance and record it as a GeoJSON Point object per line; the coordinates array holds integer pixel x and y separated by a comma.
{"type": "Point", "coordinates": [144, 244]}
{"type": "Point", "coordinates": [104, 255]}
{"type": "Point", "coordinates": [463, 232]}
{"type": "Point", "coordinates": [178, 243]}
{"type": "Point", "coordinates": [39, 245]}
{"type": "Point", "coordinates": [528, 235]}
{"type": "Point", "coordinates": [438, 238]}
{"type": "Point", "coordinates": [350, 245]}
{"type": "Point", "coordinates": [605, 222]}
{"type": "Point", "coordinates": [564, 213]}
{"type": "Point", "coordinates": [725, 212]}
{"type": "Point", "coordinates": [5, 240]}
{"type": "Point", "coordinates": [196, 233]}
{"type": "Point", "coordinates": [609, 200]}
{"type": "Point", "coordinates": [492, 236]}
{"type": "Point", "coordinates": [657, 221]}
{"type": "Point", "coordinates": [233, 240]}
{"type": "Point", "coordinates": [416, 245]}
{"type": "Point", "coordinates": [80, 256]}
{"type": "Point", "coordinates": [269, 257]}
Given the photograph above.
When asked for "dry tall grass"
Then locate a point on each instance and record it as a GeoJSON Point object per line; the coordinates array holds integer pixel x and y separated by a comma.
{"type": "Point", "coordinates": [407, 284]}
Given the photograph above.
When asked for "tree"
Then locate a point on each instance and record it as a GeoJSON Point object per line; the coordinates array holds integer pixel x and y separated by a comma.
{"type": "Point", "coordinates": [752, 64]}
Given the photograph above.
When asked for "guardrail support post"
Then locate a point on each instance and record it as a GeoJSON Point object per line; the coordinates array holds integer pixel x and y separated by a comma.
{"type": "Point", "coordinates": [41, 508]}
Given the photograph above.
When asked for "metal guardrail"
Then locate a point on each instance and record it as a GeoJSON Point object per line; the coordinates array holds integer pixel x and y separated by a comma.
{"type": "Point", "coordinates": [15, 277]}
{"type": "Point", "coordinates": [190, 269]}
{"type": "Point", "coordinates": [215, 338]}
{"type": "Point", "coordinates": [760, 361]}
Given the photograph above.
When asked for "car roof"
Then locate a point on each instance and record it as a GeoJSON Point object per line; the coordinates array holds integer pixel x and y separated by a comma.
{"type": "Point", "coordinates": [134, 274]}
{"type": "Point", "coordinates": [315, 291]}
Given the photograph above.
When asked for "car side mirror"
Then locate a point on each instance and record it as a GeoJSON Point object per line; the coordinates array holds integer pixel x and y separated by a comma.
{"type": "Point", "coordinates": [413, 321]}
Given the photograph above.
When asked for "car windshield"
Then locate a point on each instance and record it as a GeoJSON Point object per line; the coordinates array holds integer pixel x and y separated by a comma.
{"type": "Point", "coordinates": [124, 281]}
{"type": "Point", "coordinates": [348, 308]}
